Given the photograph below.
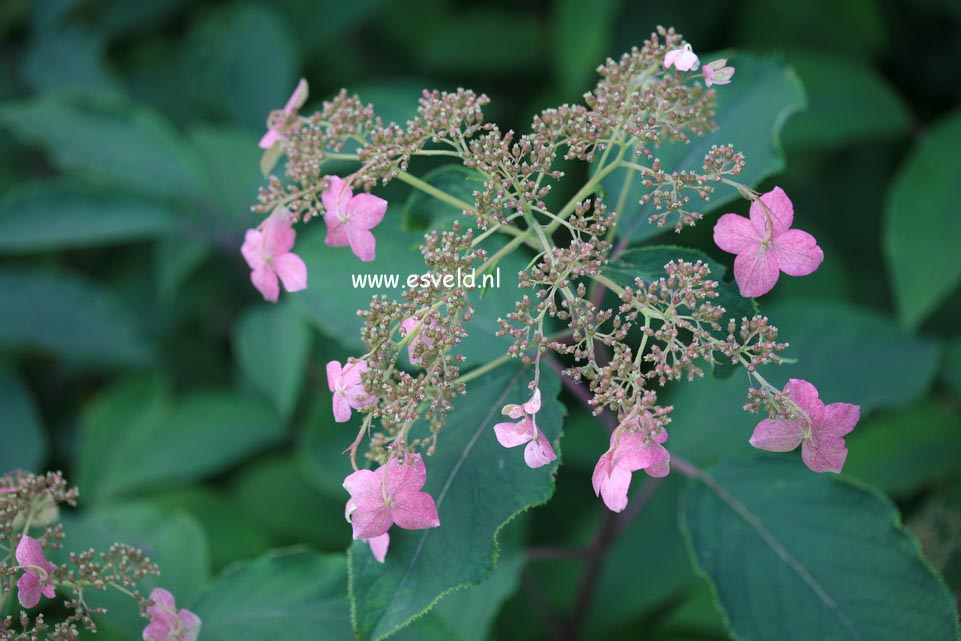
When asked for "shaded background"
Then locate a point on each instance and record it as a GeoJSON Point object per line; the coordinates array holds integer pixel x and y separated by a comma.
{"type": "Point", "coordinates": [133, 347]}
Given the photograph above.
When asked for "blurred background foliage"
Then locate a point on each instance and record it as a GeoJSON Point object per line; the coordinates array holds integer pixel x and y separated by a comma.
{"type": "Point", "coordinates": [135, 355]}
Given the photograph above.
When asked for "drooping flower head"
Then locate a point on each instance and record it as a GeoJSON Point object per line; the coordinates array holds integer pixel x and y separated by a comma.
{"type": "Point", "coordinates": [350, 218]}
{"type": "Point", "coordinates": [166, 622]}
{"type": "Point", "coordinates": [634, 446]}
{"type": "Point", "coordinates": [818, 428]}
{"type": "Point", "coordinates": [683, 59]}
{"type": "Point", "coordinates": [766, 245]}
{"type": "Point", "coordinates": [267, 252]}
{"type": "Point", "coordinates": [718, 73]}
{"type": "Point", "coordinates": [294, 103]}
{"type": "Point", "coordinates": [538, 451]}
{"type": "Point", "coordinates": [348, 387]}
{"type": "Point", "coordinates": [389, 495]}
{"type": "Point", "coordinates": [37, 578]}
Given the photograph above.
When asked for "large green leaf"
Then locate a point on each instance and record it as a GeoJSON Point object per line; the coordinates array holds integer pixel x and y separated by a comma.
{"type": "Point", "coordinates": [45, 217]}
{"type": "Point", "coordinates": [68, 316]}
{"type": "Point", "coordinates": [24, 439]}
{"type": "Point", "coordinates": [794, 554]}
{"type": "Point", "coordinates": [922, 227]}
{"type": "Point", "coordinates": [135, 436]}
{"type": "Point", "coordinates": [590, 25]}
{"type": "Point", "coordinates": [750, 114]}
{"type": "Point", "coordinates": [107, 139]}
{"type": "Point", "coordinates": [230, 160]}
{"type": "Point", "coordinates": [285, 596]}
{"type": "Point", "coordinates": [271, 345]}
{"type": "Point", "coordinates": [478, 487]}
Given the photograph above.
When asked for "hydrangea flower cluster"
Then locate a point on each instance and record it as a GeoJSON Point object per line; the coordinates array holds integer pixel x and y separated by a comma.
{"type": "Point", "coordinates": [619, 343]}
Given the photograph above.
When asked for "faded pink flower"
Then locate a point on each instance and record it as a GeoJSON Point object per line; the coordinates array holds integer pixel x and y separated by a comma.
{"type": "Point", "coordinates": [629, 452]}
{"type": "Point", "coordinates": [166, 622]}
{"type": "Point", "coordinates": [37, 576]}
{"type": "Point", "coordinates": [819, 429]}
{"type": "Point", "coordinates": [378, 544]}
{"type": "Point", "coordinates": [294, 103]}
{"type": "Point", "coordinates": [717, 73]}
{"type": "Point", "coordinates": [267, 252]}
{"type": "Point", "coordinates": [389, 495]}
{"type": "Point", "coordinates": [683, 59]}
{"type": "Point", "coordinates": [348, 388]}
{"type": "Point", "coordinates": [350, 218]}
{"type": "Point", "coordinates": [538, 451]}
{"type": "Point", "coordinates": [421, 339]}
{"type": "Point", "coordinates": [7, 490]}
{"type": "Point", "coordinates": [766, 245]}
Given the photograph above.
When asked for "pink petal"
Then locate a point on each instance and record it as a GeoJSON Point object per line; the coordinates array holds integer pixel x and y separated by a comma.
{"type": "Point", "coordinates": [362, 243]}
{"type": "Point", "coordinates": [269, 139]}
{"type": "Point", "coordinates": [333, 374]}
{"type": "Point", "coordinates": [837, 419]}
{"type": "Point", "coordinates": [513, 410]}
{"type": "Point", "coordinates": [349, 509]}
{"type": "Point", "coordinates": [539, 452]}
{"type": "Point", "coordinates": [28, 590]}
{"type": "Point", "coordinates": [365, 211]}
{"type": "Point", "coordinates": [336, 198]}
{"type": "Point", "coordinates": [533, 406]}
{"type": "Point", "coordinates": [379, 545]}
{"type": "Point", "coordinates": [602, 470]}
{"type": "Point", "coordinates": [265, 280]}
{"type": "Point", "coordinates": [371, 524]}
{"type": "Point", "coordinates": [824, 453]}
{"type": "Point", "coordinates": [805, 395]}
{"type": "Point", "coordinates": [660, 463]}
{"type": "Point", "coordinates": [336, 231]}
{"type": "Point", "coordinates": [366, 489]}
{"type": "Point", "coordinates": [351, 375]}
{"type": "Point", "coordinates": [252, 249]}
{"type": "Point", "coordinates": [292, 272]}
{"type": "Point", "coordinates": [30, 552]}
{"type": "Point", "coordinates": [156, 631]}
{"type": "Point", "coordinates": [279, 234]}
{"type": "Point", "coordinates": [341, 408]}
{"type": "Point", "coordinates": [49, 590]}
{"type": "Point", "coordinates": [756, 272]}
{"type": "Point", "coordinates": [777, 436]}
{"type": "Point", "coordinates": [735, 234]}
{"type": "Point", "coordinates": [297, 99]}
{"type": "Point", "coordinates": [686, 61]}
{"type": "Point", "coordinates": [779, 208]}
{"type": "Point", "coordinates": [708, 75]}
{"type": "Point", "coordinates": [611, 485]}
{"type": "Point", "coordinates": [671, 57]}
{"type": "Point", "coordinates": [163, 609]}
{"type": "Point", "coordinates": [514, 434]}
{"type": "Point", "coordinates": [415, 511]}
{"type": "Point", "coordinates": [408, 476]}
{"type": "Point", "coordinates": [797, 252]}
{"type": "Point", "coordinates": [191, 625]}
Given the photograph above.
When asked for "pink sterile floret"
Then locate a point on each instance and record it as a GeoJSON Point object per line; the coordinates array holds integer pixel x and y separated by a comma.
{"type": "Point", "coordinates": [682, 59]}
{"type": "Point", "coordinates": [348, 387]}
{"type": "Point", "coordinates": [389, 495]}
{"type": "Point", "coordinates": [818, 428]}
{"type": "Point", "coordinates": [166, 622]}
{"type": "Point", "coordinates": [629, 452]}
{"type": "Point", "coordinates": [538, 451]}
{"type": "Point", "coordinates": [267, 252]}
{"type": "Point", "coordinates": [718, 73]}
{"type": "Point", "coordinates": [294, 103]}
{"type": "Point", "coordinates": [766, 245]}
{"type": "Point", "coordinates": [420, 339]}
{"type": "Point", "coordinates": [350, 218]}
{"type": "Point", "coordinates": [37, 576]}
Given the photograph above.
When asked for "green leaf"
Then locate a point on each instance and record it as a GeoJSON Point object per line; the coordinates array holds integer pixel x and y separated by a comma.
{"type": "Point", "coordinates": [422, 211]}
{"type": "Point", "coordinates": [478, 486]}
{"type": "Point", "coordinates": [284, 596]}
{"type": "Point", "coordinates": [922, 226]}
{"type": "Point", "coordinates": [68, 56]}
{"type": "Point", "coordinates": [750, 114]}
{"type": "Point", "coordinates": [175, 259]}
{"type": "Point", "coordinates": [951, 371]}
{"type": "Point", "coordinates": [172, 540]}
{"type": "Point", "coordinates": [794, 554]}
{"type": "Point", "coordinates": [45, 217]}
{"type": "Point", "coordinates": [135, 436]}
{"type": "Point", "coordinates": [107, 139]}
{"type": "Point", "coordinates": [230, 158]}
{"type": "Point", "coordinates": [849, 102]}
{"type": "Point", "coordinates": [321, 448]}
{"type": "Point", "coordinates": [271, 345]}
{"type": "Point", "coordinates": [69, 316]}
{"type": "Point", "coordinates": [590, 25]}
{"type": "Point", "coordinates": [24, 439]}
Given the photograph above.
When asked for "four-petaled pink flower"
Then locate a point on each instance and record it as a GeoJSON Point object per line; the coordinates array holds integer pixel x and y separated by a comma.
{"type": "Point", "coordinates": [538, 451]}
{"type": "Point", "coordinates": [267, 252]}
{"type": "Point", "coordinates": [37, 576]}
{"type": "Point", "coordinates": [818, 428]}
{"type": "Point", "coordinates": [420, 339]}
{"type": "Point", "coordinates": [294, 103]}
{"type": "Point", "coordinates": [166, 622]}
{"type": "Point", "coordinates": [766, 245]}
{"type": "Point", "coordinates": [350, 218]}
{"type": "Point", "coordinates": [389, 495]}
{"type": "Point", "coordinates": [717, 73]}
{"type": "Point", "coordinates": [629, 452]}
{"type": "Point", "coordinates": [683, 59]}
{"type": "Point", "coordinates": [348, 388]}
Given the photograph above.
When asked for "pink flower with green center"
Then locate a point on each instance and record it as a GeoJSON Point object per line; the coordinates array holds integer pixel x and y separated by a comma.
{"type": "Point", "coordinates": [167, 623]}
{"type": "Point", "coordinates": [267, 252]}
{"type": "Point", "coordinates": [818, 428]}
{"type": "Point", "coordinates": [683, 59]}
{"type": "Point", "coordinates": [629, 452]}
{"type": "Point", "coordinates": [37, 578]}
{"type": "Point", "coordinates": [350, 218]}
{"type": "Point", "coordinates": [538, 451]}
{"type": "Point", "coordinates": [346, 383]}
{"type": "Point", "coordinates": [389, 495]}
{"type": "Point", "coordinates": [294, 103]}
{"type": "Point", "coordinates": [717, 73]}
{"type": "Point", "coordinates": [766, 245]}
